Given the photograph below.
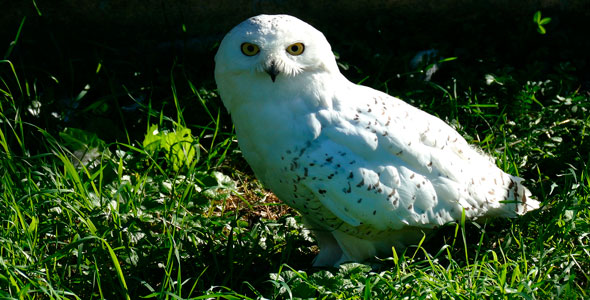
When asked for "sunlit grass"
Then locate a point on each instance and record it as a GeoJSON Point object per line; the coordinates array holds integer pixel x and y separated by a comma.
{"type": "Point", "coordinates": [171, 210]}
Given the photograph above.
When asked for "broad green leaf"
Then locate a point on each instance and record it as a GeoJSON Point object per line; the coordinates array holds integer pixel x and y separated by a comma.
{"type": "Point", "coordinates": [151, 142]}
{"type": "Point", "coordinates": [537, 17]}
{"type": "Point", "coordinates": [545, 21]}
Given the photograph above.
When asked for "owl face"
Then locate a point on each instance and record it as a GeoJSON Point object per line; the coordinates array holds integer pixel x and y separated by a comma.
{"type": "Point", "coordinates": [273, 49]}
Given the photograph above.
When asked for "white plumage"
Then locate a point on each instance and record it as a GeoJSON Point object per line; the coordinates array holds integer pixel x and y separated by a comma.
{"type": "Point", "coordinates": [366, 170]}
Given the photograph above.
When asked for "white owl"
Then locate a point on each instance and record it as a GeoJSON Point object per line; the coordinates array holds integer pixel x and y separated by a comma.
{"type": "Point", "coordinates": [367, 171]}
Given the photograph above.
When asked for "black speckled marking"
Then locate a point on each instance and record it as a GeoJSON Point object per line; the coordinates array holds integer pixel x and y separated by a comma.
{"type": "Point", "coordinates": [361, 183]}
{"type": "Point", "coordinates": [302, 151]}
{"type": "Point", "coordinates": [511, 184]}
{"type": "Point", "coordinates": [392, 194]}
{"type": "Point", "coordinates": [348, 190]}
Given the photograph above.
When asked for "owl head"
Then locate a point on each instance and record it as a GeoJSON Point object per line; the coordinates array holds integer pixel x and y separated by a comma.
{"type": "Point", "coordinates": [271, 51]}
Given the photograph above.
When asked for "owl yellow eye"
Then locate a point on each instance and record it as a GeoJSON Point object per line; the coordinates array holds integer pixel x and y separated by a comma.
{"type": "Point", "coordinates": [296, 49]}
{"type": "Point", "coordinates": [250, 49]}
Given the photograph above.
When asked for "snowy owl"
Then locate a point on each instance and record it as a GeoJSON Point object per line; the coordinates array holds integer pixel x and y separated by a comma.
{"type": "Point", "coordinates": [367, 171]}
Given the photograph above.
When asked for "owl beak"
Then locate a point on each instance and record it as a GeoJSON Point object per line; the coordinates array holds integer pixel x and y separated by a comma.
{"type": "Point", "coordinates": [273, 71]}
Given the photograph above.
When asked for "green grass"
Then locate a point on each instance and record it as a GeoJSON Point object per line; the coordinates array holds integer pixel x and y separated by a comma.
{"type": "Point", "coordinates": [91, 212]}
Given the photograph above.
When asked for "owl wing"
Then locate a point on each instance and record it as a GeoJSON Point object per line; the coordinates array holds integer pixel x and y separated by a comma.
{"type": "Point", "coordinates": [380, 162]}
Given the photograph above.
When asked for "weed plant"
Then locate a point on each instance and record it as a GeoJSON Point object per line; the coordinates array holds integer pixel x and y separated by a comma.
{"type": "Point", "coordinates": [119, 186]}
